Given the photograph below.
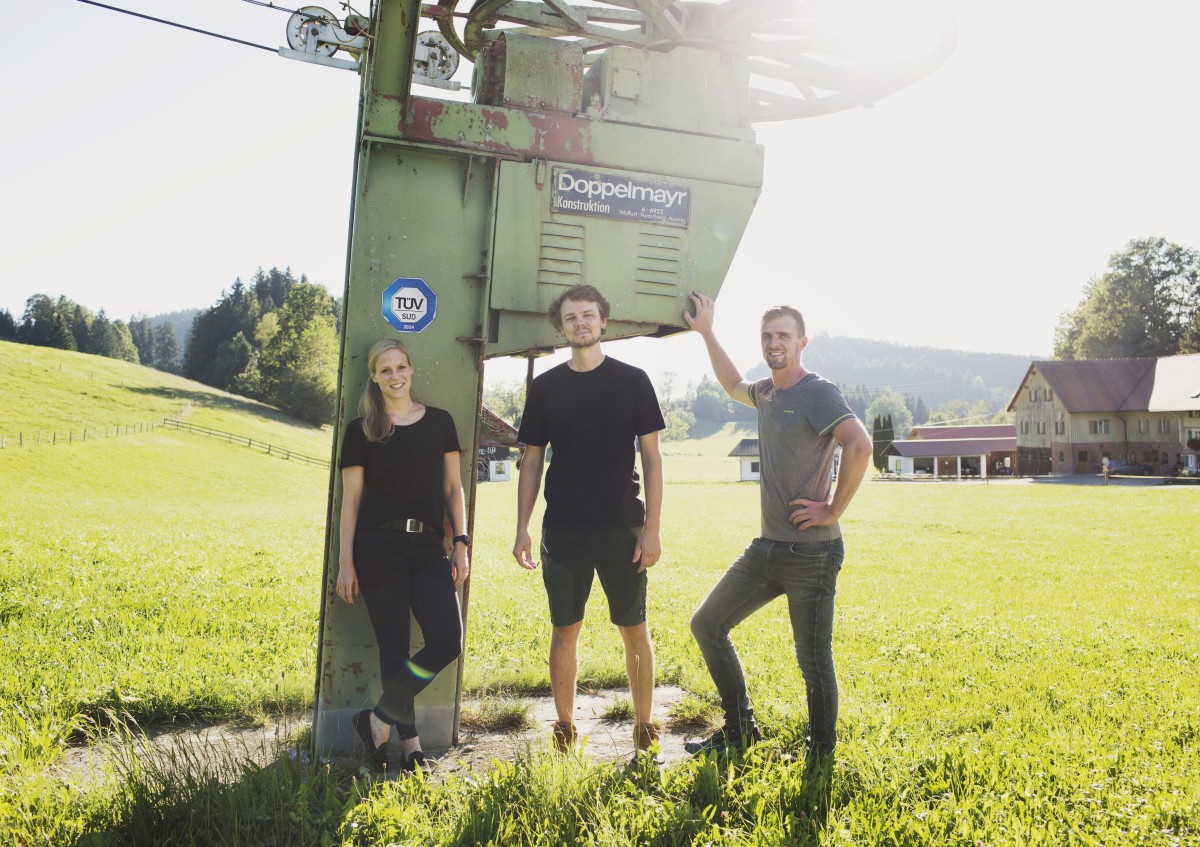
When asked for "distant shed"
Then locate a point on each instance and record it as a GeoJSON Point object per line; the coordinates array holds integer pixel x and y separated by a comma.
{"type": "Point", "coordinates": [746, 452]}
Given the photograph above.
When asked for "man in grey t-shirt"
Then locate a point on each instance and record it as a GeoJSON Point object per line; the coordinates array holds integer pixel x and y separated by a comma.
{"type": "Point", "coordinates": [802, 421]}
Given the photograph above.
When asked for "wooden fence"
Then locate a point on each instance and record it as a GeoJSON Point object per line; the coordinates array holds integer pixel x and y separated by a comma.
{"type": "Point", "coordinates": [233, 438]}
{"type": "Point", "coordinates": [29, 439]}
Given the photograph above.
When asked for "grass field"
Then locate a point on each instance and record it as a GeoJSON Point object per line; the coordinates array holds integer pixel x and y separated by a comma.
{"type": "Point", "coordinates": [1019, 662]}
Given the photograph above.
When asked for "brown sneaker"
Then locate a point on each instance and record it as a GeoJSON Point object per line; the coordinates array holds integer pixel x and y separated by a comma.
{"type": "Point", "coordinates": [645, 734]}
{"type": "Point", "coordinates": [563, 737]}
{"type": "Point", "coordinates": [645, 739]}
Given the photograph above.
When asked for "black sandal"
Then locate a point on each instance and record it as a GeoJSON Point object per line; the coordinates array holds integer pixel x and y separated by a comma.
{"type": "Point", "coordinates": [376, 755]}
{"type": "Point", "coordinates": [415, 760]}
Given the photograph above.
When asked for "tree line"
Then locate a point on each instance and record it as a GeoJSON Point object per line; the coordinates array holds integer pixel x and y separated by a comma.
{"type": "Point", "coordinates": [1146, 304]}
{"type": "Point", "coordinates": [702, 405]}
{"type": "Point", "coordinates": [67, 325]}
{"type": "Point", "coordinates": [274, 340]}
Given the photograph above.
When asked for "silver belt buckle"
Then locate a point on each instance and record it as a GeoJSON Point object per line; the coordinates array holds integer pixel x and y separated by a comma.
{"type": "Point", "coordinates": [413, 525]}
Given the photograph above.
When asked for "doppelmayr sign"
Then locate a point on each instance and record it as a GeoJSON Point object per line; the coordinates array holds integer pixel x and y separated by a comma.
{"type": "Point", "coordinates": [629, 198]}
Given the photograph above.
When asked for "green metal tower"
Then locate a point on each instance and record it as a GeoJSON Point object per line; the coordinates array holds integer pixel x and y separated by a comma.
{"type": "Point", "coordinates": [608, 143]}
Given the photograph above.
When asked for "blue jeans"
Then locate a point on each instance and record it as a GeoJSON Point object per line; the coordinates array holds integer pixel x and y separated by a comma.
{"type": "Point", "coordinates": [806, 573]}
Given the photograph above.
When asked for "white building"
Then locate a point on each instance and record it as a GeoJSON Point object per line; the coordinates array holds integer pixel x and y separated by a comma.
{"type": "Point", "coordinates": [746, 452]}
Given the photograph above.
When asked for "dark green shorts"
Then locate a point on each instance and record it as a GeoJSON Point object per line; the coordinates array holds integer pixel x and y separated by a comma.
{"type": "Point", "coordinates": [569, 559]}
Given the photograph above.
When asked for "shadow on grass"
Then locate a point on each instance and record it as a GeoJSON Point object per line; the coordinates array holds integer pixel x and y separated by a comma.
{"type": "Point", "coordinates": [181, 796]}
{"type": "Point", "coordinates": [205, 786]}
{"type": "Point", "coordinates": [222, 402]}
{"type": "Point", "coordinates": [283, 803]}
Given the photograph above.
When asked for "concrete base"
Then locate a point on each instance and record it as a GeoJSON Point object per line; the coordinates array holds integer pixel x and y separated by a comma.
{"type": "Point", "coordinates": [334, 732]}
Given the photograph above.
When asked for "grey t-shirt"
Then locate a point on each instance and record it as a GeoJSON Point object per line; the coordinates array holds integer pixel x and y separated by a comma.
{"type": "Point", "coordinates": [796, 448]}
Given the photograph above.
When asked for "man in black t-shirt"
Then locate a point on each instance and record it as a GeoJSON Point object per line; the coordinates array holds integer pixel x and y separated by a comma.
{"type": "Point", "coordinates": [591, 411]}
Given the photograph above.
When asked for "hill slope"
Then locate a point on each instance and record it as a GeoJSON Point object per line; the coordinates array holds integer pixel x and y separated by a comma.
{"type": "Point", "coordinates": [937, 376]}
{"type": "Point", "coordinates": [48, 390]}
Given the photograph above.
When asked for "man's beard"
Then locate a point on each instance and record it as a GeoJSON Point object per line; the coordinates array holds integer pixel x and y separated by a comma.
{"type": "Point", "coordinates": [576, 344]}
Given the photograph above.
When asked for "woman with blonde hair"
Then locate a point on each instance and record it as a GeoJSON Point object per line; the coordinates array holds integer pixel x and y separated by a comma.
{"type": "Point", "coordinates": [400, 485]}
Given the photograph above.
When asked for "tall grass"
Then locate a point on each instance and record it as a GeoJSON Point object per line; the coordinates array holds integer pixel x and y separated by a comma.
{"type": "Point", "coordinates": [1000, 685]}
{"type": "Point", "coordinates": [115, 584]}
{"type": "Point", "coordinates": [159, 576]}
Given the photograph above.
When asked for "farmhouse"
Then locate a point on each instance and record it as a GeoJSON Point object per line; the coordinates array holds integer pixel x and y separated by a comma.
{"type": "Point", "coordinates": [954, 451]}
{"type": "Point", "coordinates": [1071, 416]}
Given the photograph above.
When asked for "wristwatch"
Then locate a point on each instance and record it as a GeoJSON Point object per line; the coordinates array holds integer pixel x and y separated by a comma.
{"type": "Point", "coordinates": [465, 539]}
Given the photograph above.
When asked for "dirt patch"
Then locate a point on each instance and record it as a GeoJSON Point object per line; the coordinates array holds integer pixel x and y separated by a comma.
{"type": "Point", "coordinates": [223, 749]}
{"type": "Point", "coordinates": [605, 740]}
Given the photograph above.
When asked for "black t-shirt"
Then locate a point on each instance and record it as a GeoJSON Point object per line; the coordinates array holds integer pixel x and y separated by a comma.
{"type": "Point", "coordinates": [402, 476]}
{"type": "Point", "coordinates": [591, 421]}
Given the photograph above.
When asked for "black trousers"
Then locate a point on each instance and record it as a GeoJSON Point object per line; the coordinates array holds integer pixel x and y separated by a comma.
{"type": "Point", "coordinates": [399, 573]}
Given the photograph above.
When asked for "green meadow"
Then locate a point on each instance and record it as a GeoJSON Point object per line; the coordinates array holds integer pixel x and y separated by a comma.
{"type": "Point", "coordinates": [1019, 661]}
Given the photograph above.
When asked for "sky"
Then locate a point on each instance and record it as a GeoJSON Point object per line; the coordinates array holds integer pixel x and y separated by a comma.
{"type": "Point", "coordinates": [145, 168]}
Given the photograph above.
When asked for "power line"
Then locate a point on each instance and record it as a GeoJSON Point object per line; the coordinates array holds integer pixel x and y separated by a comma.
{"type": "Point", "coordinates": [271, 5]}
{"type": "Point", "coordinates": [181, 26]}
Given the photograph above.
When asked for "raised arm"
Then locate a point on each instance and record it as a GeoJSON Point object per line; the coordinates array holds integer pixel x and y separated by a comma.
{"type": "Point", "coordinates": [529, 483]}
{"type": "Point", "coordinates": [723, 367]}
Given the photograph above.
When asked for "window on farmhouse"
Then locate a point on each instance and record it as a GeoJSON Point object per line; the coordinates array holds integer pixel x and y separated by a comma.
{"type": "Point", "coordinates": [1060, 428]}
{"type": "Point", "coordinates": [1143, 425]}
{"type": "Point", "coordinates": [1024, 427]}
{"type": "Point", "coordinates": [1047, 394]}
{"type": "Point", "coordinates": [1041, 427]}
{"type": "Point", "coordinates": [1164, 426]}
{"type": "Point", "coordinates": [1098, 427]}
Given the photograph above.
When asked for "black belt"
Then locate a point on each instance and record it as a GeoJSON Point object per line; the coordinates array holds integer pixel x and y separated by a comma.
{"type": "Point", "coordinates": [410, 525]}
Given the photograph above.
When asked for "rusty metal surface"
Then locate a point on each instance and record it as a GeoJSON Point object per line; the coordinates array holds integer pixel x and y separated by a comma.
{"type": "Point", "coordinates": [527, 136]}
{"type": "Point", "coordinates": [505, 132]}
{"type": "Point", "coordinates": [525, 72]}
